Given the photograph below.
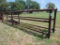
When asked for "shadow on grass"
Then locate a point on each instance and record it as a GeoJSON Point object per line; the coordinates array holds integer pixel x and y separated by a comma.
{"type": "Point", "coordinates": [36, 34]}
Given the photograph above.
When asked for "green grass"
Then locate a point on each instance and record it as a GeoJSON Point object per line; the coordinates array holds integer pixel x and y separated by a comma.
{"type": "Point", "coordinates": [28, 44]}
{"type": "Point", "coordinates": [43, 15]}
{"type": "Point", "coordinates": [10, 35]}
{"type": "Point", "coordinates": [37, 14]}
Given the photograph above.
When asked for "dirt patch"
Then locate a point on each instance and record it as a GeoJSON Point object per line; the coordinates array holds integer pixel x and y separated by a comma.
{"type": "Point", "coordinates": [26, 39]}
{"type": "Point", "coordinates": [14, 43]}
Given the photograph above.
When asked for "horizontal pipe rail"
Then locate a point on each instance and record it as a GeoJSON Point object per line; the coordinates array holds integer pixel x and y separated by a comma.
{"type": "Point", "coordinates": [35, 20]}
{"type": "Point", "coordinates": [35, 25]}
{"type": "Point", "coordinates": [20, 11]}
{"type": "Point", "coordinates": [32, 19]}
{"type": "Point", "coordinates": [35, 29]}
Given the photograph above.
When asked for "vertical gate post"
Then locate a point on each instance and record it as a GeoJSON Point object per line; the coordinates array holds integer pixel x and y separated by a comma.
{"type": "Point", "coordinates": [1, 16]}
{"type": "Point", "coordinates": [6, 17]}
{"type": "Point", "coordinates": [18, 18]}
{"type": "Point", "coordinates": [12, 18]}
{"type": "Point", "coordinates": [54, 21]}
{"type": "Point", "coordinates": [49, 30]}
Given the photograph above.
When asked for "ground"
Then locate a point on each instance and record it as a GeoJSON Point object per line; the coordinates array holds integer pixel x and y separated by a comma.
{"type": "Point", "coordinates": [10, 35]}
{"type": "Point", "coordinates": [13, 36]}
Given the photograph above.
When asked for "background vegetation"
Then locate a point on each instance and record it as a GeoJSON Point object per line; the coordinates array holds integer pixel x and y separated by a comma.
{"type": "Point", "coordinates": [22, 5]}
{"type": "Point", "coordinates": [15, 35]}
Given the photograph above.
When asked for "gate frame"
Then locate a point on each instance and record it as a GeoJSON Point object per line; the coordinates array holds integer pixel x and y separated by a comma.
{"type": "Point", "coordinates": [50, 18]}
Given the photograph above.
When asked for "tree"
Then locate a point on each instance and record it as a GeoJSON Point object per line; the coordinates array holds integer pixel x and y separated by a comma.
{"type": "Point", "coordinates": [50, 5]}
{"type": "Point", "coordinates": [17, 5]}
{"type": "Point", "coordinates": [3, 5]}
{"type": "Point", "coordinates": [28, 2]}
{"type": "Point", "coordinates": [20, 4]}
{"type": "Point", "coordinates": [12, 6]}
{"type": "Point", "coordinates": [32, 5]}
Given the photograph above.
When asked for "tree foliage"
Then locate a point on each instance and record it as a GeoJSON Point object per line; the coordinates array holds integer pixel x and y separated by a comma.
{"type": "Point", "coordinates": [50, 5]}
{"type": "Point", "coordinates": [3, 5]}
{"type": "Point", "coordinates": [32, 4]}
{"type": "Point", "coordinates": [18, 5]}
{"type": "Point", "coordinates": [35, 5]}
{"type": "Point", "coordinates": [21, 4]}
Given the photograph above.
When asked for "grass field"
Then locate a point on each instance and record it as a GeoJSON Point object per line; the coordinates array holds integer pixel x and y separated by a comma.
{"type": "Point", "coordinates": [12, 35]}
{"type": "Point", "coordinates": [44, 15]}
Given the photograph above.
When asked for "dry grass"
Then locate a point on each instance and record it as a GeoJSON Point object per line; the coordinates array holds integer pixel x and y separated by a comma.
{"type": "Point", "coordinates": [13, 36]}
